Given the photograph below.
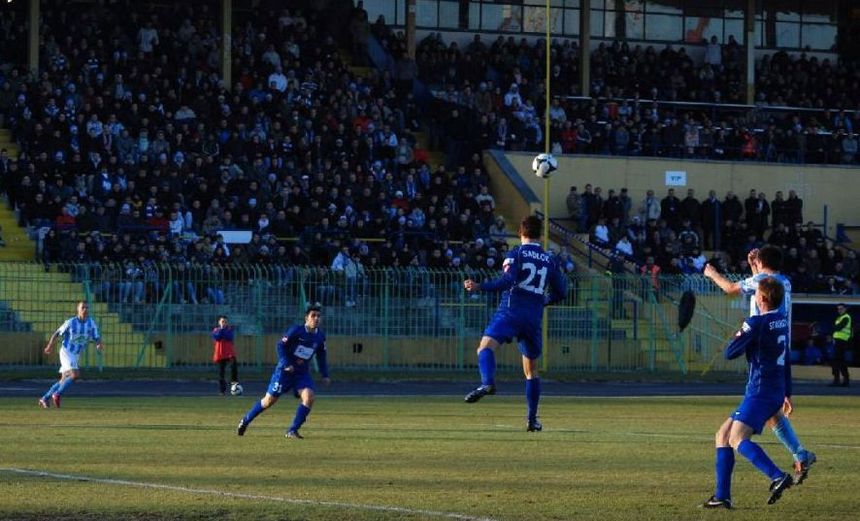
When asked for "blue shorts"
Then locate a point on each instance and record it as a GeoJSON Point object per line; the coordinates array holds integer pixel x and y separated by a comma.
{"type": "Point", "coordinates": [755, 412]}
{"type": "Point", "coordinates": [282, 382]}
{"type": "Point", "coordinates": [505, 325]}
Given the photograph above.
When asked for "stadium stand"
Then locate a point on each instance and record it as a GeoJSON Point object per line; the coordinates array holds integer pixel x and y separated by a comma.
{"type": "Point", "coordinates": [501, 88]}
{"type": "Point", "coordinates": [129, 129]}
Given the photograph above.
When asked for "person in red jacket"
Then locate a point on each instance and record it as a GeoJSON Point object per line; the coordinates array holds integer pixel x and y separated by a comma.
{"type": "Point", "coordinates": [223, 353]}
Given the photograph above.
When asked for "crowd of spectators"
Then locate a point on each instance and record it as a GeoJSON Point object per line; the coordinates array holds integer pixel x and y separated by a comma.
{"type": "Point", "coordinates": [632, 110]}
{"type": "Point", "coordinates": [129, 129]}
{"type": "Point", "coordinates": [670, 235]}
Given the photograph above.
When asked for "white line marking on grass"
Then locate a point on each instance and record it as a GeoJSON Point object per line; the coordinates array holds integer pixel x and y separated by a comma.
{"type": "Point", "coordinates": [239, 495]}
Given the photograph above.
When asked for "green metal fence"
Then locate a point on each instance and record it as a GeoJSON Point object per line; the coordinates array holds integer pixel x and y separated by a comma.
{"type": "Point", "coordinates": [409, 318]}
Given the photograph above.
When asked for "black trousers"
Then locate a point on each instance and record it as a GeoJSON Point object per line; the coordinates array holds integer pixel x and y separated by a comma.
{"type": "Point", "coordinates": [234, 373]}
{"type": "Point", "coordinates": [839, 366]}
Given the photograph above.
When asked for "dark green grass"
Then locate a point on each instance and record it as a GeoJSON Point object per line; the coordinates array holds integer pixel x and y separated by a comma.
{"type": "Point", "coordinates": [607, 459]}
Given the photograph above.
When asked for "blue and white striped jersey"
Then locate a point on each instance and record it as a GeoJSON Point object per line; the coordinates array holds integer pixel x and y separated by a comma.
{"type": "Point", "coordinates": [77, 333]}
{"type": "Point", "coordinates": [750, 284]}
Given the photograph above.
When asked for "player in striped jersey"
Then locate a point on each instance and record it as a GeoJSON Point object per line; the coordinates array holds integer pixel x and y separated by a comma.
{"type": "Point", "coordinates": [766, 263]}
{"type": "Point", "coordinates": [76, 332]}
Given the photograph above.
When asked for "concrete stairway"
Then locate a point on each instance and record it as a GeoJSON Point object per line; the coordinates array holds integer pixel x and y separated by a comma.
{"type": "Point", "coordinates": [46, 299]}
{"type": "Point", "coordinates": [18, 247]}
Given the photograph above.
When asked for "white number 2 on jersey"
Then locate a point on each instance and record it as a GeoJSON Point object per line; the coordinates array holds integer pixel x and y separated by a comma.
{"type": "Point", "coordinates": [534, 272]}
{"type": "Point", "coordinates": [783, 342]}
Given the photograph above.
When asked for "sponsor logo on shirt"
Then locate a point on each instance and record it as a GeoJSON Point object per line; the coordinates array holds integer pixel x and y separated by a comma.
{"type": "Point", "coordinates": [304, 352]}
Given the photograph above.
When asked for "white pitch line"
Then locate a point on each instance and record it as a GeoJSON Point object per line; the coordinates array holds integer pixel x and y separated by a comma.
{"type": "Point", "coordinates": [239, 495]}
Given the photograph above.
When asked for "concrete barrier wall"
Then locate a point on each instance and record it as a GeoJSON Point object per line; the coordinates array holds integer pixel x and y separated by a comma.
{"type": "Point", "coordinates": [837, 187]}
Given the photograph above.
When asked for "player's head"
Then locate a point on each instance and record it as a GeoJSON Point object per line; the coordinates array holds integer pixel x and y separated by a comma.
{"type": "Point", "coordinates": [313, 315]}
{"type": "Point", "coordinates": [222, 320]}
{"type": "Point", "coordinates": [770, 257]}
{"type": "Point", "coordinates": [769, 294]}
{"type": "Point", "coordinates": [83, 310]}
{"type": "Point", "coordinates": [530, 227]}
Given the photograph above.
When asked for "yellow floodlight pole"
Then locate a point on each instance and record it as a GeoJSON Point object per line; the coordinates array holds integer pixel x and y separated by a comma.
{"type": "Point", "coordinates": [545, 325]}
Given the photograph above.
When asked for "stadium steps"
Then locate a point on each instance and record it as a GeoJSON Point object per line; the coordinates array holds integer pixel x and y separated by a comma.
{"type": "Point", "coordinates": [21, 286]}
{"type": "Point", "coordinates": [7, 143]}
{"type": "Point", "coordinates": [435, 158]}
{"type": "Point", "coordinates": [853, 235]}
{"type": "Point", "coordinates": [361, 71]}
{"type": "Point", "coordinates": [19, 246]}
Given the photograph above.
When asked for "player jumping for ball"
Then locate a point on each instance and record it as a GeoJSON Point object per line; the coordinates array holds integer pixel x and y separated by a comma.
{"type": "Point", "coordinates": [529, 272]}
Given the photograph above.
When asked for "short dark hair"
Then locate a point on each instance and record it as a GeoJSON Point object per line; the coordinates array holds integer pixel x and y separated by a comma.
{"type": "Point", "coordinates": [313, 307]}
{"type": "Point", "coordinates": [222, 316]}
{"type": "Point", "coordinates": [770, 257]}
{"type": "Point", "coordinates": [530, 227]}
{"type": "Point", "coordinates": [772, 291]}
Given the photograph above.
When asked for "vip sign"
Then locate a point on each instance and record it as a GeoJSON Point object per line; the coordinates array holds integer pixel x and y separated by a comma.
{"type": "Point", "coordinates": [676, 178]}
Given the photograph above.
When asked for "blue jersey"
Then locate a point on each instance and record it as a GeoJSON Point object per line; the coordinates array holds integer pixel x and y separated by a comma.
{"type": "Point", "coordinates": [748, 288]}
{"type": "Point", "coordinates": [298, 346]}
{"type": "Point", "coordinates": [764, 341]}
{"type": "Point", "coordinates": [531, 280]}
{"type": "Point", "coordinates": [77, 333]}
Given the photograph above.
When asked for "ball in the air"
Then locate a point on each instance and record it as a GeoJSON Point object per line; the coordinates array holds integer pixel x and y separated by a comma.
{"type": "Point", "coordinates": [543, 165]}
{"type": "Point", "coordinates": [236, 389]}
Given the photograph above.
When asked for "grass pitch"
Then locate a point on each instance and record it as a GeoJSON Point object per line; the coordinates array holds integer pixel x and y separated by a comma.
{"type": "Point", "coordinates": [406, 458]}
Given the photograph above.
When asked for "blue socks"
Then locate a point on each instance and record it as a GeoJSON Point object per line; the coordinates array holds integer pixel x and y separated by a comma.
{"type": "Point", "coordinates": [302, 412]}
{"type": "Point", "coordinates": [724, 467]}
{"type": "Point", "coordinates": [65, 384]}
{"type": "Point", "coordinates": [532, 397]}
{"type": "Point", "coordinates": [757, 457]}
{"type": "Point", "coordinates": [52, 390]}
{"type": "Point", "coordinates": [784, 432]}
{"type": "Point", "coordinates": [254, 412]}
{"type": "Point", "coordinates": [487, 366]}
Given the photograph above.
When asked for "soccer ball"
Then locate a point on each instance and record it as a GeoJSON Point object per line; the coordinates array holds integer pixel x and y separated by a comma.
{"type": "Point", "coordinates": [236, 389]}
{"type": "Point", "coordinates": [544, 164]}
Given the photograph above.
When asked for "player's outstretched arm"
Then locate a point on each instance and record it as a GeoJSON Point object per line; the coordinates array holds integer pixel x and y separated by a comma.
{"type": "Point", "coordinates": [50, 344]}
{"type": "Point", "coordinates": [728, 287]}
{"type": "Point", "coordinates": [471, 285]}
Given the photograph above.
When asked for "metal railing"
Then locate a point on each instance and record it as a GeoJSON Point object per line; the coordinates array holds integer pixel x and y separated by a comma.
{"type": "Point", "coordinates": [161, 315]}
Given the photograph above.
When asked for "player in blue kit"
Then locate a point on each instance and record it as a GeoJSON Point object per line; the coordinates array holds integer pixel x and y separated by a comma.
{"type": "Point", "coordinates": [763, 338]}
{"type": "Point", "coordinates": [295, 350]}
{"type": "Point", "coordinates": [766, 263]}
{"type": "Point", "coordinates": [529, 273]}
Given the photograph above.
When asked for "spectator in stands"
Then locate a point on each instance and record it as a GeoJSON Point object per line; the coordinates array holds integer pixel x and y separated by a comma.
{"type": "Point", "coordinates": [670, 209]}
{"type": "Point", "coordinates": [574, 207]}
{"type": "Point", "coordinates": [711, 213]}
{"type": "Point", "coordinates": [651, 208]}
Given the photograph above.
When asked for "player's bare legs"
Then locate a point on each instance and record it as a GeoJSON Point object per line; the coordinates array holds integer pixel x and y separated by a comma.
{"type": "Point", "coordinates": [487, 367]}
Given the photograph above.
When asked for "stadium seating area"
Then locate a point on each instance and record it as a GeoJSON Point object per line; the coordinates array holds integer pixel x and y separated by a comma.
{"type": "Point", "coordinates": [129, 128]}
{"type": "Point", "coordinates": [675, 233]}
{"type": "Point", "coordinates": [501, 89]}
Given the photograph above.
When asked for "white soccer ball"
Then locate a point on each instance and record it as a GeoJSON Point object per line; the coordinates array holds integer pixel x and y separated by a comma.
{"type": "Point", "coordinates": [236, 389]}
{"type": "Point", "coordinates": [543, 165]}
